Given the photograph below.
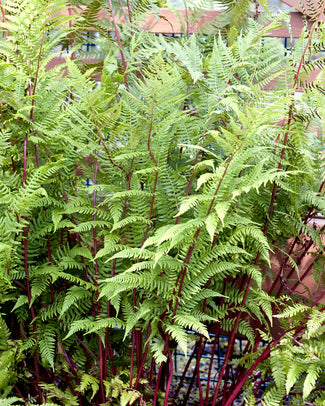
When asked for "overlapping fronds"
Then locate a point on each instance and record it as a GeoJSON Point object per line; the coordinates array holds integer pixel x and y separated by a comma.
{"type": "Point", "coordinates": [152, 207]}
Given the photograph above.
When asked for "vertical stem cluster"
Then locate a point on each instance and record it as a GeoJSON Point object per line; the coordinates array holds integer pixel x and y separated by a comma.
{"type": "Point", "coordinates": [248, 282]}
{"type": "Point", "coordinates": [133, 165]}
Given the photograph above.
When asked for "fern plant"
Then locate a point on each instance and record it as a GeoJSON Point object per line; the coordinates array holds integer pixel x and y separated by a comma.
{"type": "Point", "coordinates": [155, 205]}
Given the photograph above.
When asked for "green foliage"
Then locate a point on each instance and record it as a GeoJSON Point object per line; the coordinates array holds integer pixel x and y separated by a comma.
{"type": "Point", "coordinates": [149, 207]}
{"type": "Point", "coordinates": [118, 392]}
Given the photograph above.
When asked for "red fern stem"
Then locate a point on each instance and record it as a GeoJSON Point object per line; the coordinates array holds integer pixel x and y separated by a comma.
{"type": "Point", "coordinates": [119, 44]}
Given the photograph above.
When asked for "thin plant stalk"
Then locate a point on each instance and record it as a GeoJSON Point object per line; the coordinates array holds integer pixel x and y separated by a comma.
{"type": "Point", "coordinates": [118, 38]}
{"type": "Point", "coordinates": [102, 368]}
{"type": "Point", "coordinates": [263, 356]}
{"type": "Point", "coordinates": [186, 262]}
{"type": "Point", "coordinates": [190, 358]}
{"type": "Point", "coordinates": [136, 339]}
{"type": "Point", "coordinates": [4, 17]}
{"type": "Point", "coordinates": [25, 233]}
{"type": "Point", "coordinates": [273, 198]}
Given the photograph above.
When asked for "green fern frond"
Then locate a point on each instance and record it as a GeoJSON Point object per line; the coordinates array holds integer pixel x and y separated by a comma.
{"type": "Point", "coordinates": [47, 343]}
{"type": "Point", "coordinates": [273, 397]}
